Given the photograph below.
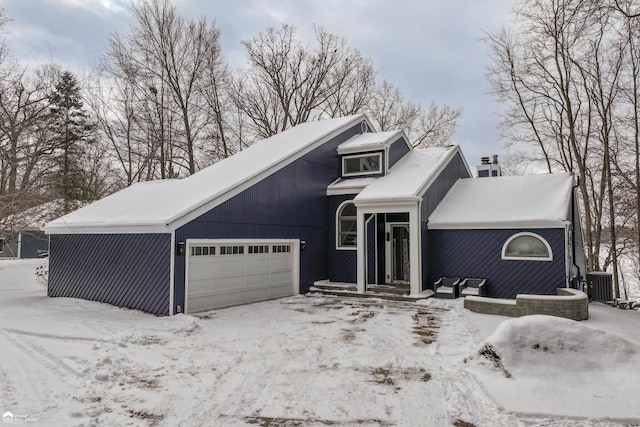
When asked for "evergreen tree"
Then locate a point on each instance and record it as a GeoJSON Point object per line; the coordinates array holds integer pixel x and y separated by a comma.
{"type": "Point", "coordinates": [72, 131]}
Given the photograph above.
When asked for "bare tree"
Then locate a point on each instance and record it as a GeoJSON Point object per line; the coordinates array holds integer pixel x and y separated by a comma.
{"type": "Point", "coordinates": [288, 83]}
{"type": "Point", "coordinates": [389, 110]}
{"type": "Point", "coordinates": [569, 73]}
{"type": "Point", "coordinates": [164, 58]}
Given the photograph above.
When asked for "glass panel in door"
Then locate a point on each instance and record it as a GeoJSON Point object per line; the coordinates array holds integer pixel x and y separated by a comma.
{"type": "Point", "coordinates": [400, 254]}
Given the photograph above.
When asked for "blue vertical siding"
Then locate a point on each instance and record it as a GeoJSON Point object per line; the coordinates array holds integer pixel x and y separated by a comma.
{"type": "Point", "coordinates": [397, 150]}
{"type": "Point", "coordinates": [478, 253]}
{"type": "Point", "coordinates": [127, 270]}
{"type": "Point", "coordinates": [289, 204]}
{"type": "Point", "coordinates": [342, 264]}
{"type": "Point", "coordinates": [451, 173]}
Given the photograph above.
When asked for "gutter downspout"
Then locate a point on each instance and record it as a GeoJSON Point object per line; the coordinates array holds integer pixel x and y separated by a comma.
{"type": "Point", "coordinates": [573, 228]}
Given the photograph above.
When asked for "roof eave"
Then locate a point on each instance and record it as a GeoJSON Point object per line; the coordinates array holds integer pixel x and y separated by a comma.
{"type": "Point", "coordinates": [387, 201]}
{"type": "Point", "coordinates": [509, 225]}
{"type": "Point", "coordinates": [107, 229]}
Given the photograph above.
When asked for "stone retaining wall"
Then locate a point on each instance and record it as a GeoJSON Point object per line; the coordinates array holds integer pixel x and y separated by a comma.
{"type": "Point", "coordinates": [569, 303]}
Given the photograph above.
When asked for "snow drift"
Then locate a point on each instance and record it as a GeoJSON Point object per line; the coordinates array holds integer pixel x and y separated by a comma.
{"type": "Point", "coordinates": [543, 364]}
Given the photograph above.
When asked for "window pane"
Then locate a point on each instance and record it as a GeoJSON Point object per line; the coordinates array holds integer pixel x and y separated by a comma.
{"type": "Point", "coordinates": [352, 165]}
{"type": "Point", "coordinates": [362, 164]}
{"type": "Point", "coordinates": [347, 226]}
{"type": "Point", "coordinates": [370, 163]}
{"type": "Point", "coordinates": [527, 246]}
{"type": "Point", "coordinates": [348, 210]}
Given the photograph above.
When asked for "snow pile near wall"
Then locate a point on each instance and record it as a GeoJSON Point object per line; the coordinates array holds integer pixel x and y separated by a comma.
{"type": "Point", "coordinates": [543, 364]}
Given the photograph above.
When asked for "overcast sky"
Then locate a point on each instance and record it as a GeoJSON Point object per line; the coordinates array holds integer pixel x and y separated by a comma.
{"type": "Point", "coordinates": [430, 49]}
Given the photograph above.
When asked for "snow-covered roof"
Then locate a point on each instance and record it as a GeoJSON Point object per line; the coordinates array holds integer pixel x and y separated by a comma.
{"type": "Point", "coordinates": [535, 201]}
{"type": "Point", "coordinates": [160, 206]}
{"type": "Point", "coordinates": [348, 185]}
{"type": "Point", "coordinates": [369, 141]}
{"type": "Point", "coordinates": [409, 178]}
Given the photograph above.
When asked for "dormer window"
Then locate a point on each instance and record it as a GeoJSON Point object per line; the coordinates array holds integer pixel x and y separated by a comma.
{"type": "Point", "coordinates": [362, 164]}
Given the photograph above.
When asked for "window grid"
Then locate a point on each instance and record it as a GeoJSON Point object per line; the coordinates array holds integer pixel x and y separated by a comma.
{"type": "Point", "coordinates": [203, 250]}
{"type": "Point", "coordinates": [527, 246]}
{"type": "Point", "coordinates": [347, 233]}
{"type": "Point", "coordinates": [238, 249]}
{"type": "Point", "coordinates": [258, 249]}
{"type": "Point", "coordinates": [281, 248]}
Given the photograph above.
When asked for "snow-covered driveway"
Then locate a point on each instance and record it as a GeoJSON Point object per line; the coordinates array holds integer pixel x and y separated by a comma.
{"type": "Point", "coordinates": [301, 361]}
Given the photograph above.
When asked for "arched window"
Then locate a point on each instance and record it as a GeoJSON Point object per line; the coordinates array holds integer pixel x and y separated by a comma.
{"type": "Point", "coordinates": [527, 246]}
{"type": "Point", "coordinates": [346, 218]}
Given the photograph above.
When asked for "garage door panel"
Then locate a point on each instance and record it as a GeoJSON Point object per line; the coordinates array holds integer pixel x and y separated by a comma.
{"type": "Point", "coordinates": [231, 283]}
{"type": "Point", "coordinates": [256, 295]}
{"type": "Point", "coordinates": [258, 264]}
{"type": "Point", "coordinates": [203, 285]}
{"type": "Point", "coordinates": [234, 273]}
{"type": "Point", "coordinates": [281, 291]}
{"type": "Point", "coordinates": [258, 279]}
{"type": "Point", "coordinates": [232, 265]}
{"type": "Point", "coordinates": [281, 262]}
{"type": "Point", "coordinates": [280, 277]}
{"type": "Point", "coordinates": [230, 299]}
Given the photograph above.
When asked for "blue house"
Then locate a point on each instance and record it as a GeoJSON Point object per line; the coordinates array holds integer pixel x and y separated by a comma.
{"type": "Point", "coordinates": [324, 201]}
{"type": "Point", "coordinates": [26, 243]}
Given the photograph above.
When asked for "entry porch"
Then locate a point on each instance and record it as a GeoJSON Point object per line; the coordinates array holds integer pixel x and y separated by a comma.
{"type": "Point", "coordinates": [389, 248]}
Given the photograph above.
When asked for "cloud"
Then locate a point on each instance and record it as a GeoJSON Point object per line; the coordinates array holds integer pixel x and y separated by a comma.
{"type": "Point", "coordinates": [431, 50]}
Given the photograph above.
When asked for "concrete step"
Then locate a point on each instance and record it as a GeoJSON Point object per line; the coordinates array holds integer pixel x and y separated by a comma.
{"type": "Point", "coordinates": [346, 292]}
{"type": "Point", "coordinates": [390, 289]}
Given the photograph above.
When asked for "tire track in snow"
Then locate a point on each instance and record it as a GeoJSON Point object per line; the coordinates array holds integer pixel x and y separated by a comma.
{"type": "Point", "coordinates": [30, 388]}
{"type": "Point", "coordinates": [44, 357]}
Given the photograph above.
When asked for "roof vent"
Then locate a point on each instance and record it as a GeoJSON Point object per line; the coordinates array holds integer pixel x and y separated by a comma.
{"type": "Point", "coordinates": [484, 161]}
{"type": "Point", "coordinates": [364, 127]}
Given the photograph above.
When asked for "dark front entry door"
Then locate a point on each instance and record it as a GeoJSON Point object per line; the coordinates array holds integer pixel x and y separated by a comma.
{"type": "Point", "coordinates": [400, 253]}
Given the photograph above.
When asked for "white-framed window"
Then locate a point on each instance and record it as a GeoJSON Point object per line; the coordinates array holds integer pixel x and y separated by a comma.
{"type": "Point", "coordinates": [278, 249]}
{"type": "Point", "coordinates": [362, 164]}
{"type": "Point", "coordinates": [527, 246]}
{"type": "Point", "coordinates": [203, 250]}
{"type": "Point", "coordinates": [346, 226]}
{"type": "Point", "coordinates": [231, 250]}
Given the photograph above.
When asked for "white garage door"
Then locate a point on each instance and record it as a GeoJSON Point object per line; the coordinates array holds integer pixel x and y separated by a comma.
{"type": "Point", "coordinates": [223, 273]}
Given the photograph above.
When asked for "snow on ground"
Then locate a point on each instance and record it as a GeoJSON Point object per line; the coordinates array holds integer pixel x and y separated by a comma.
{"type": "Point", "coordinates": [308, 361]}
